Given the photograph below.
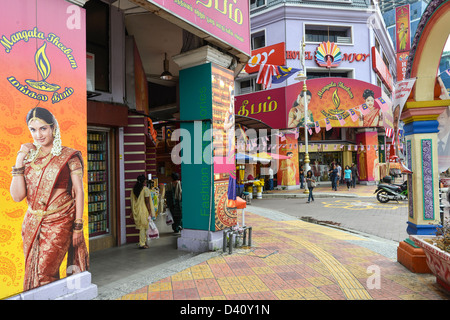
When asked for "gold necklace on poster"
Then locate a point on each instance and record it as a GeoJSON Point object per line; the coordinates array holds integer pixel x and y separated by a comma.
{"type": "Point", "coordinates": [45, 159]}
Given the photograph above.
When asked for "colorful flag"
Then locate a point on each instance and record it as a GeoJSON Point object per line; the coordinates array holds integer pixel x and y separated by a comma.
{"type": "Point", "coordinates": [382, 104]}
{"type": "Point", "coordinates": [309, 130]}
{"type": "Point", "coordinates": [353, 115]}
{"type": "Point", "coordinates": [389, 132]}
{"type": "Point", "coordinates": [283, 73]}
{"type": "Point", "coordinates": [341, 120]}
{"type": "Point", "coordinates": [364, 108]}
{"type": "Point", "coordinates": [266, 71]}
{"type": "Point", "coordinates": [327, 124]}
{"type": "Point", "coordinates": [317, 126]}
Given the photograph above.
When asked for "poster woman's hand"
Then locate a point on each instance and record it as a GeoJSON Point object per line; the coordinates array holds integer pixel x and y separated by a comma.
{"type": "Point", "coordinates": [77, 238]}
{"type": "Point", "coordinates": [26, 147]}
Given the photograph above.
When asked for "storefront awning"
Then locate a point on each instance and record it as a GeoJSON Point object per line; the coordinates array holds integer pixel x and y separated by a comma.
{"type": "Point", "coordinates": [250, 123]}
{"type": "Point", "coordinates": [247, 158]}
{"type": "Point", "coordinates": [266, 155]}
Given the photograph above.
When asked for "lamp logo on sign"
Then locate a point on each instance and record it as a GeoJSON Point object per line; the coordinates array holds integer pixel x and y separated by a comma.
{"type": "Point", "coordinates": [40, 87]}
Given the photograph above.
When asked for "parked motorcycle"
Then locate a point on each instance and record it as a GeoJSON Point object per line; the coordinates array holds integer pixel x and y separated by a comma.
{"type": "Point", "coordinates": [387, 191]}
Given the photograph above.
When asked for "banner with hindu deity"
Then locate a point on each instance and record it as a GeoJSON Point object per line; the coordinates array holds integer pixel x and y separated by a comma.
{"type": "Point", "coordinates": [43, 64]}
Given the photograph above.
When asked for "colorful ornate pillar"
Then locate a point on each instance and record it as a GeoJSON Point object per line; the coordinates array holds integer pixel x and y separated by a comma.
{"type": "Point", "coordinates": [421, 127]}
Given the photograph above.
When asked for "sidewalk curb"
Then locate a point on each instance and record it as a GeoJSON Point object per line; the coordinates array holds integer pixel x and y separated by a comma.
{"type": "Point", "coordinates": [316, 195]}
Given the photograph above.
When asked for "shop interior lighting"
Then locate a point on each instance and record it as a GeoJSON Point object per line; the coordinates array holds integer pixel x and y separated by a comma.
{"type": "Point", "coordinates": [166, 75]}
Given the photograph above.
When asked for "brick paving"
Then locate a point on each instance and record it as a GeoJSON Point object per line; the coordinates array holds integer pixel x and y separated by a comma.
{"type": "Point", "coordinates": [295, 260]}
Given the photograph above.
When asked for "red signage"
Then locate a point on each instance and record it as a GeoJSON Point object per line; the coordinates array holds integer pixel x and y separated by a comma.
{"type": "Point", "coordinates": [402, 62]}
{"type": "Point", "coordinates": [381, 69]}
{"type": "Point", "coordinates": [269, 106]}
{"type": "Point", "coordinates": [273, 54]}
{"type": "Point", "coordinates": [332, 101]}
{"type": "Point", "coordinates": [350, 57]}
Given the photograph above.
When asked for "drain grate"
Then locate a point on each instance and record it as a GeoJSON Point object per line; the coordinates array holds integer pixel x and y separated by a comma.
{"type": "Point", "coordinates": [313, 220]}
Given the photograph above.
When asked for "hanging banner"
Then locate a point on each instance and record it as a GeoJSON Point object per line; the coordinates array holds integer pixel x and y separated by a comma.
{"type": "Point", "coordinates": [288, 174]}
{"type": "Point", "coordinates": [388, 117]}
{"type": "Point", "coordinates": [402, 21]}
{"type": "Point", "coordinates": [43, 143]}
{"type": "Point", "coordinates": [273, 55]}
{"type": "Point", "coordinates": [402, 62]}
{"type": "Point", "coordinates": [402, 91]}
{"type": "Point", "coordinates": [444, 140]}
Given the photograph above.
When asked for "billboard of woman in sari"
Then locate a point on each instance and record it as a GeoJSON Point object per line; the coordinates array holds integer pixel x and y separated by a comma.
{"type": "Point", "coordinates": [50, 177]}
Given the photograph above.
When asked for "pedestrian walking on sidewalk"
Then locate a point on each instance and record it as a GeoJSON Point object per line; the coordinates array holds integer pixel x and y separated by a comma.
{"type": "Point", "coordinates": [333, 174]}
{"type": "Point", "coordinates": [311, 183]}
{"type": "Point", "coordinates": [348, 176]}
{"type": "Point", "coordinates": [355, 174]}
{"type": "Point", "coordinates": [141, 208]}
{"type": "Point", "coordinates": [339, 169]}
{"type": "Point", "coordinates": [302, 176]}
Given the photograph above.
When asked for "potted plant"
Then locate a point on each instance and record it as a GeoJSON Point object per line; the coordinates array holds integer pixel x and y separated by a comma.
{"type": "Point", "coordinates": [437, 251]}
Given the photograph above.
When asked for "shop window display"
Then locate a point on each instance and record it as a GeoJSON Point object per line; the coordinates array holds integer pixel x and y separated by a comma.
{"type": "Point", "coordinates": [98, 183]}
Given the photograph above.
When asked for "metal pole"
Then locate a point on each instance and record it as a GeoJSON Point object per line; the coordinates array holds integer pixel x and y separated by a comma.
{"type": "Point", "coordinates": [307, 167]}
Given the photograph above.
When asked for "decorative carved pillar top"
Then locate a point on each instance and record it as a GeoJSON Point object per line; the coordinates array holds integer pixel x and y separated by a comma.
{"type": "Point", "coordinates": [80, 3]}
{"type": "Point", "coordinates": [203, 55]}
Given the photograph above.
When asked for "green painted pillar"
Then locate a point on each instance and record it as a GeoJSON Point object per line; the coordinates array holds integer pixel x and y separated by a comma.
{"type": "Point", "coordinates": [206, 150]}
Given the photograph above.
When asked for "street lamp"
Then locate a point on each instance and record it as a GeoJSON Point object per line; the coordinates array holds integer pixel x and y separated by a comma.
{"type": "Point", "coordinates": [302, 77]}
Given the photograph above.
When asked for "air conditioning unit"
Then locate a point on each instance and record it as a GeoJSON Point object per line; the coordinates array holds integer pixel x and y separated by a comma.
{"type": "Point", "coordinates": [343, 40]}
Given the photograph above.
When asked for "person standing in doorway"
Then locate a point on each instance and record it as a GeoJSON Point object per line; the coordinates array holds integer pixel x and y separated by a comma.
{"type": "Point", "coordinates": [173, 200]}
{"type": "Point", "coordinates": [311, 183]}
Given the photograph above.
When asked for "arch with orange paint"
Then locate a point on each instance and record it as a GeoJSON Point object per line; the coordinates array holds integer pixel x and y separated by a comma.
{"type": "Point", "coordinates": [420, 117]}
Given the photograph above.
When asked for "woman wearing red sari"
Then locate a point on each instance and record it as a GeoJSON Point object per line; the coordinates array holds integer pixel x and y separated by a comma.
{"type": "Point", "coordinates": [50, 178]}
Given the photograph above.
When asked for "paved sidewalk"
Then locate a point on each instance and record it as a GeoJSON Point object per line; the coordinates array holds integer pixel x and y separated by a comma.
{"type": "Point", "coordinates": [294, 260]}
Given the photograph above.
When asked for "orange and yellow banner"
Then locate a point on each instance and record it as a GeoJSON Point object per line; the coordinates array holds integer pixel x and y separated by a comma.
{"type": "Point", "coordinates": [42, 63]}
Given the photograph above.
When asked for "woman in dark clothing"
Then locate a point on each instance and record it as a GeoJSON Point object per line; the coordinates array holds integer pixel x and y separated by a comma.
{"type": "Point", "coordinates": [310, 181]}
{"type": "Point", "coordinates": [333, 173]}
{"type": "Point", "coordinates": [173, 200]}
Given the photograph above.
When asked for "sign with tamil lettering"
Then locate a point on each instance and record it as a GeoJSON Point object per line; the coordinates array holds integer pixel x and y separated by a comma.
{"type": "Point", "coordinates": [228, 21]}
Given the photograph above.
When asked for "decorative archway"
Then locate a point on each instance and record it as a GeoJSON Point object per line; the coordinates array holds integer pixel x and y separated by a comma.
{"type": "Point", "coordinates": [420, 117]}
